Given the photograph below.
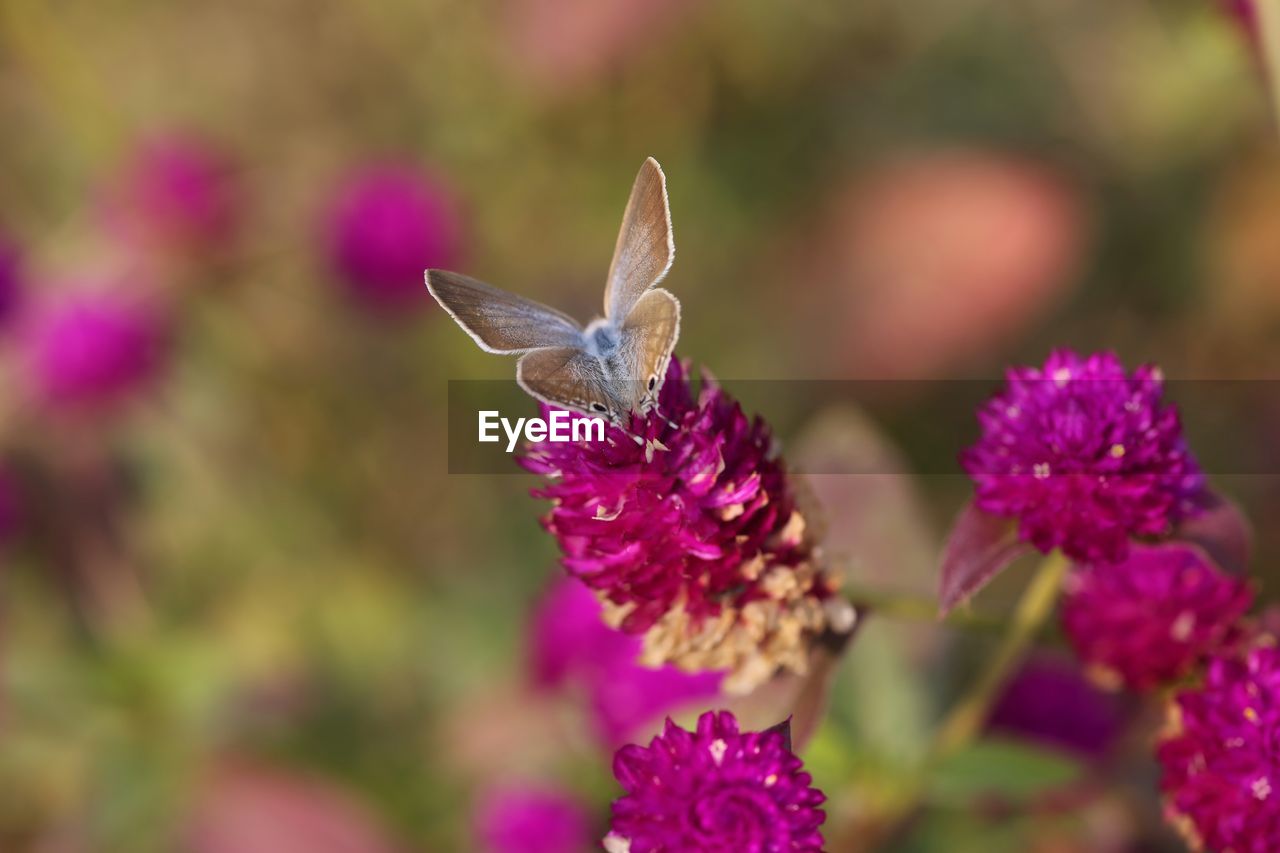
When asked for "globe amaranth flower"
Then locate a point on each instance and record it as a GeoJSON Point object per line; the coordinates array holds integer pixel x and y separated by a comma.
{"type": "Point", "coordinates": [714, 789]}
{"type": "Point", "coordinates": [384, 226]}
{"type": "Point", "coordinates": [1085, 456]}
{"type": "Point", "coordinates": [1220, 756]}
{"type": "Point", "coordinates": [692, 536]}
{"type": "Point", "coordinates": [1152, 618]}
{"type": "Point", "coordinates": [177, 191]}
{"type": "Point", "coordinates": [10, 278]}
{"type": "Point", "coordinates": [573, 649]}
{"type": "Point", "coordinates": [1050, 701]}
{"type": "Point", "coordinates": [524, 819]}
{"type": "Point", "coordinates": [86, 348]}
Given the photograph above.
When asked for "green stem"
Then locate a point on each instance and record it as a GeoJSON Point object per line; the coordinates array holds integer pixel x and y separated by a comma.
{"type": "Point", "coordinates": [917, 608]}
{"type": "Point", "coordinates": [967, 717]}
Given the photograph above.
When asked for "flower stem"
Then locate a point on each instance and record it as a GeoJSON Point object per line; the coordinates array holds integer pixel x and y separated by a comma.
{"type": "Point", "coordinates": [967, 717]}
{"type": "Point", "coordinates": [917, 608]}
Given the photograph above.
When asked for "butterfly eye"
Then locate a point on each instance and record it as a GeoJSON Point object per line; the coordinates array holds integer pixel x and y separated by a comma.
{"type": "Point", "coordinates": [653, 382]}
{"type": "Point", "coordinates": [597, 407]}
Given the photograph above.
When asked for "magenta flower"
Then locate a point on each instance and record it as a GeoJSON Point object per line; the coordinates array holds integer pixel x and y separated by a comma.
{"type": "Point", "coordinates": [1244, 12]}
{"type": "Point", "coordinates": [178, 192]}
{"type": "Point", "coordinates": [1050, 701]}
{"type": "Point", "coordinates": [1085, 456]}
{"type": "Point", "coordinates": [1220, 756]}
{"type": "Point", "coordinates": [1152, 618]}
{"type": "Point", "coordinates": [572, 647]}
{"type": "Point", "coordinates": [698, 544]}
{"type": "Point", "coordinates": [714, 789]}
{"type": "Point", "coordinates": [384, 227]}
{"type": "Point", "coordinates": [10, 506]}
{"type": "Point", "coordinates": [10, 278]}
{"type": "Point", "coordinates": [242, 806]}
{"type": "Point", "coordinates": [89, 348]}
{"type": "Point", "coordinates": [531, 820]}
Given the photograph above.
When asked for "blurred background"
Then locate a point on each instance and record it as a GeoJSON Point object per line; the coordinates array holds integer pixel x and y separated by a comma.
{"type": "Point", "coordinates": [244, 607]}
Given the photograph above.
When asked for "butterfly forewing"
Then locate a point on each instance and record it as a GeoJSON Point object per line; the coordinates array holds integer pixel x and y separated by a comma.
{"type": "Point", "coordinates": [499, 321]}
{"type": "Point", "coordinates": [645, 247]}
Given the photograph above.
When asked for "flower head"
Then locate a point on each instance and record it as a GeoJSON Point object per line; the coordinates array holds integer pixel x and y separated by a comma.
{"type": "Point", "coordinates": [695, 541]}
{"type": "Point", "coordinates": [1220, 755]}
{"type": "Point", "coordinates": [573, 648]}
{"type": "Point", "coordinates": [1085, 456]}
{"type": "Point", "coordinates": [176, 191]}
{"type": "Point", "coordinates": [1152, 618]}
{"type": "Point", "coordinates": [384, 227]}
{"type": "Point", "coordinates": [89, 348]}
{"type": "Point", "coordinates": [714, 789]}
{"type": "Point", "coordinates": [532, 820]}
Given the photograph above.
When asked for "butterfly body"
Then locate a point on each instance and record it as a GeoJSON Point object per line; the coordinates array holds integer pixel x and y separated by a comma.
{"type": "Point", "coordinates": [602, 339]}
{"type": "Point", "coordinates": [615, 364]}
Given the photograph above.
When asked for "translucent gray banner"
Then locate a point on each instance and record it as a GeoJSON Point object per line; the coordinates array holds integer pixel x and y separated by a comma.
{"type": "Point", "coordinates": [1232, 426]}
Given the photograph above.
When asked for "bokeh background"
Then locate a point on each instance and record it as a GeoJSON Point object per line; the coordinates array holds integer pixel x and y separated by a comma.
{"type": "Point", "coordinates": [244, 607]}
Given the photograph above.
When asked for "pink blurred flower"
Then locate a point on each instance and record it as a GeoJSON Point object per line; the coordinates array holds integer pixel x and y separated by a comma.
{"type": "Point", "coordinates": [385, 226]}
{"type": "Point", "coordinates": [532, 820]}
{"type": "Point", "coordinates": [88, 347]}
{"type": "Point", "coordinates": [10, 278]}
{"type": "Point", "coordinates": [177, 192]}
{"type": "Point", "coordinates": [1050, 701]}
{"type": "Point", "coordinates": [943, 258]}
{"type": "Point", "coordinates": [10, 506]}
{"type": "Point", "coordinates": [561, 44]}
{"type": "Point", "coordinates": [572, 647]}
{"type": "Point", "coordinates": [245, 808]}
{"type": "Point", "coordinates": [1245, 14]}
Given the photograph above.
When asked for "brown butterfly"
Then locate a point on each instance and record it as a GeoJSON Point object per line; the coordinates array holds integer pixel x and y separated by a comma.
{"type": "Point", "coordinates": [616, 363]}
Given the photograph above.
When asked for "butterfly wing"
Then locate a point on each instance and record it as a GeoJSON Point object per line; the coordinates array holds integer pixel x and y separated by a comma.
{"type": "Point", "coordinates": [648, 336]}
{"type": "Point", "coordinates": [499, 321]}
{"type": "Point", "coordinates": [569, 378]}
{"type": "Point", "coordinates": [645, 247]}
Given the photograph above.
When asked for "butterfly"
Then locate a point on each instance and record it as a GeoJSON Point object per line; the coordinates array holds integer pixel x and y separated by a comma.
{"type": "Point", "coordinates": [616, 363]}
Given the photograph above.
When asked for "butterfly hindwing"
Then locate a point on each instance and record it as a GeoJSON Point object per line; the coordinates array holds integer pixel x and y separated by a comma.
{"type": "Point", "coordinates": [569, 378]}
{"type": "Point", "coordinates": [648, 335]}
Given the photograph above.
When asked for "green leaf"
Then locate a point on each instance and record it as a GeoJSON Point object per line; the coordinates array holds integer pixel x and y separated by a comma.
{"type": "Point", "coordinates": [1009, 769]}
